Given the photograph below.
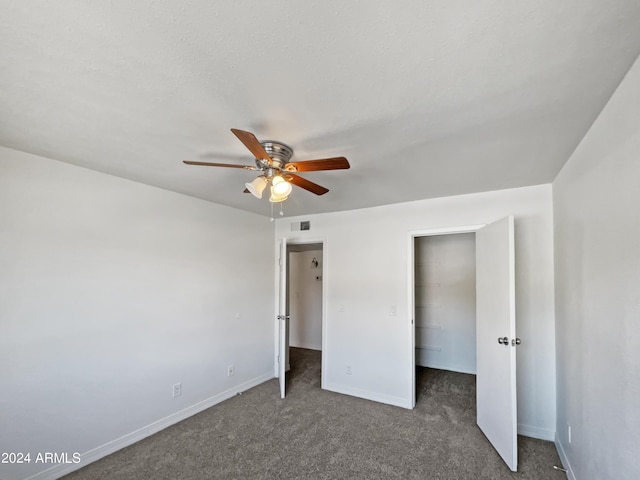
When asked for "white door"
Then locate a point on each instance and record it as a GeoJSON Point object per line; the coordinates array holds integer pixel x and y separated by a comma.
{"type": "Point", "coordinates": [282, 317]}
{"type": "Point", "coordinates": [495, 336]}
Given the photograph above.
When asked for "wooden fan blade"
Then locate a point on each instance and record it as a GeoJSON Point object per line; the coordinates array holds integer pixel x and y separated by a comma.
{"type": "Point", "coordinates": [251, 142]}
{"type": "Point", "coordinates": [228, 165]}
{"type": "Point", "coordinates": [337, 163]}
{"type": "Point", "coordinates": [306, 184]}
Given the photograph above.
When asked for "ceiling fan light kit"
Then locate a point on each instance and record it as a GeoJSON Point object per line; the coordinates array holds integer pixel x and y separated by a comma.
{"type": "Point", "coordinates": [257, 186]}
{"type": "Point", "coordinates": [273, 161]}
{"type": "Point", "coordinates": [277, 198]}
{"type": "Point", "coordinates": [280, 187]}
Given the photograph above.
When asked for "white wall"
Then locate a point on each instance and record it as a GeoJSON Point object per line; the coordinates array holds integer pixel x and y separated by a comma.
{"type": "Point", "coordinates": [366, 272]}
{"type": "Point", "coordinates": [111, 292]}
{"type": "Point", "coordinates": [445, 302]}
{"type": "Point", "coordinates": [305, 300]}
{"type": "Point", "coordinates": [597, 238]}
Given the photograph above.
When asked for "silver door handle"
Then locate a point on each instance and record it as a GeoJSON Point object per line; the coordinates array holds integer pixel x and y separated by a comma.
{"type": "Point", "coordinates": [515, 341]}
{"type": "Point", "coordinates": [503, 340]}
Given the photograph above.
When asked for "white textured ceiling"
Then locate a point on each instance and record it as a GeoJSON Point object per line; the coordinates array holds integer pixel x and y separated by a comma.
{"type": "Point", "coordinates": [425, 98]}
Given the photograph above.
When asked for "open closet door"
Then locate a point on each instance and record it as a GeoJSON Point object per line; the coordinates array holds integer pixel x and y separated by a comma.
{"type": "Point", "coordinates": [282, 316]}
{"type": "Point", "coordinates": [496, 338]}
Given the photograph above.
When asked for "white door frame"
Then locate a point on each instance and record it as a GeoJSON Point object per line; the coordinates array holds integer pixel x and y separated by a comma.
{"type": "Point", "coordinates": [283, 287]}
{"type": "Point", "coordinates": [325, 275]}
{"type": "Point", "coordinates": [412, 235]}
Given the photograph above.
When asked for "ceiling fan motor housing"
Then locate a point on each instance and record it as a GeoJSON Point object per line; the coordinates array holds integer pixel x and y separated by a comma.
{"type": "Point", "coordinates": [279, 152]}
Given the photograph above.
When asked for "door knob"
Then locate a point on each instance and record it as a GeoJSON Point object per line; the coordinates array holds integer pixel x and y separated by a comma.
{"type": "Point", "coordinates": [503, 340]}
{"type": "Point", "coordinates": [515, 341]}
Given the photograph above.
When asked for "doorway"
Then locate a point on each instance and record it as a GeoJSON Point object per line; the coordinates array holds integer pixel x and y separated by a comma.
{"type": "Point", "coordinates": [304, 300]}
{"type": "Point", "coordinates": [445, 302]}
{"type": "Point", "coordinates": [495, 335]}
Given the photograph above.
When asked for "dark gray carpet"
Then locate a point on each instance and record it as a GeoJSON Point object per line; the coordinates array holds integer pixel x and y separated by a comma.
{"type": "Point", "coordinates": [315, 434]}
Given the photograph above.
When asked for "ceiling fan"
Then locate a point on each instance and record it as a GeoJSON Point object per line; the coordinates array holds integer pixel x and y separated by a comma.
{"type": "Point", "coordinates": [273, 161]}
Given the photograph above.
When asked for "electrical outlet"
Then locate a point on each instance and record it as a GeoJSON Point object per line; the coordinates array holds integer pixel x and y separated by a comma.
{"type": "Point", "coordinates": [230, 370]}
{"type": "Point", "coordinates": [177, 390]}
{"type": "Point", "coordinates": [348, 370]}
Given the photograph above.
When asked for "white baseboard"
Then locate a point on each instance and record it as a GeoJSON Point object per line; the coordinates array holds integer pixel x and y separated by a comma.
{"type": "Point", "coordinates": [423, 360]}
{"type": "Point", "coordinates": [564, 459]}
{"type": "Point", "coordinates": [308, 346]}
{"type": "Point", "coordinates": [113, 446]}
{"type": "Point", "coordinates": [449, 368]}
{"type": "Point", "coordinates": [376, 397]}
{"type": "Point", "coordinates": [537, 432]}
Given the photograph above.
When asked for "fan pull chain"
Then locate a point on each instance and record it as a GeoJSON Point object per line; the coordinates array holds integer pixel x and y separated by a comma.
{"type": "Point", "coordinates": [272, 219]}
{"type": "Point", "coordinates": [281, 212]}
